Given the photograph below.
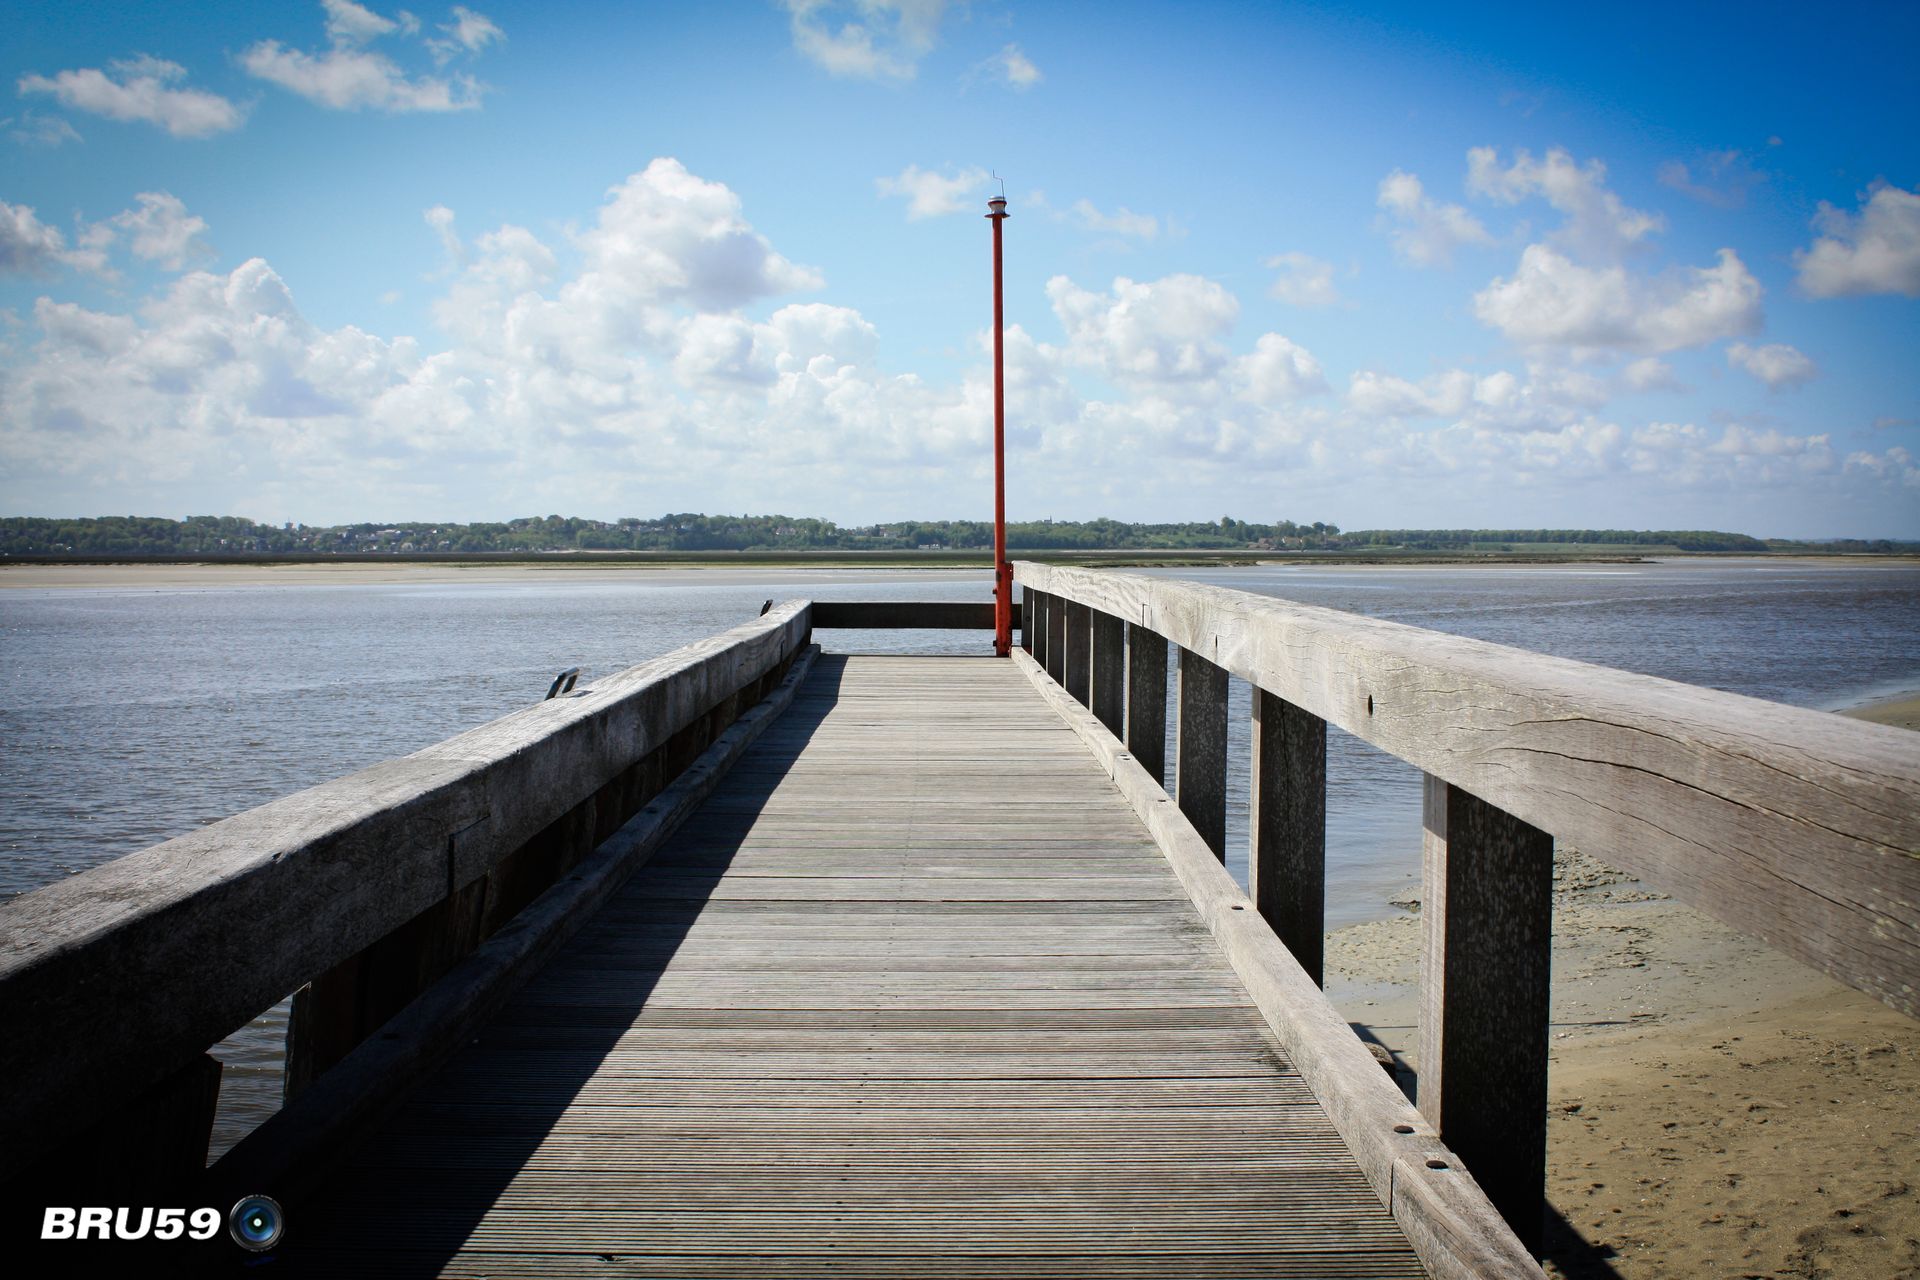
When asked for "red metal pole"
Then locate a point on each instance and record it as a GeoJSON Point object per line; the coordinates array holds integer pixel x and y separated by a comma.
{"type": "Point", "coordinates": [1002, 571]}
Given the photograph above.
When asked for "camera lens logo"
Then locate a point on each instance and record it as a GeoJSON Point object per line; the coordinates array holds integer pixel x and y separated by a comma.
{"type": "Point", "coordinates": [256, 1223]}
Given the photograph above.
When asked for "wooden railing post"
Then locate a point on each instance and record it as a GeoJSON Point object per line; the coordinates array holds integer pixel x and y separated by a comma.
{"type": "Point", "coordinates": [1147, 700]}
{"type": "Point", "coordinates": [1287, 826]}
{"type": "Point", "coordinates": [1079, 656]}
{"type": "Point", "coordinates": [1487, 902]}
{"type": "Point", "coordinates": [1057, 639]}
{"type": "Point", "coordinates": [1200, 760]}
{"type": "Point", "coordinates": [1109, 672]}
{"type": "Point", "coordinates": [1026, 619]}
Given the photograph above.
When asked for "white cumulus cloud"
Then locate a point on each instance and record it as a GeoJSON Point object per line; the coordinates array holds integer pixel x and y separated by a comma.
{"type": "Point", "coordinates": [349, 79]}
{"type": "Point", "coordinates": [882, 40]}
{"type": "Point", "coordinates": [350, 76]}
{"type": "Point", "coordinates": [29, 246]}
{"type": "Point", "coordinates": [1162, 331]}
{"type": "Point", "coordinates": [161, 230]}
{"type": "Point", "coordinates": [1303, 280]}
{"type": "Point", "coordinates": [144, 89]}
{"type": "Point", "coordinates": [1012, 66]}
{"type": "Point", "coordinates": [1378, 395]}
{"type": "Point", "coordinates": [1597, 223]}
{"type": "Point", "coordinates": [1776, 364]}
{"type": "Point", "coordinates": [31, 129]}
{"type": "Point", "coordinates": [469, 32]}
{"type": "Point", "coordinates": [1895, 464]}
{"type": "Point", "coordinates": [1424, 231]}
{"type": "Point", "coordinates": [1277, 370]}
{"type": "Point", "coordinates": [1874, 251]}
{"type": "Point", "coordinates": [350, 23]}
{"type": "Point", "coordinates": [1549, 399]}
{"type": "Point", "coordinates": [631, 365]}
{"type": "Point", "coordinates": [158, 229]}
{"type": "Point", "coordinates": [1650, 373]}
{"type": "Point", "coordinates": [1550, 300]}
{"type": "Point", "coordinates": [1121, 222]}
{"type": "Point", "coordinates": [665, 233]}
{"type": "Point", "coordinates": [929, 194]}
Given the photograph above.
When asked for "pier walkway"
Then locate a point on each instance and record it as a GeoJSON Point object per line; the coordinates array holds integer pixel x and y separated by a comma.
{"type": "Point", "coordinates": [914, 993]}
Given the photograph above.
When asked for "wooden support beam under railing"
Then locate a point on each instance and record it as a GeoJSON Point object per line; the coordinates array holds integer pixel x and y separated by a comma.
{"type": "Point", "coordinates": [1147, 700]}
{"type": "Point", "coordinates": [1200, 749]}
{"type": "Point", "coordinates": [1486, 904]}
{"type": "Point", "coordinates": [1287, 826]}
{"type": "Point", "coordinates": [1109, 684]}
{"type": "Point", "coordinates": [1079, 659]}
{"type": "Point", "coordinates": [1026, 619]}
{"type": "Point", "coordinates": [1057, 640]}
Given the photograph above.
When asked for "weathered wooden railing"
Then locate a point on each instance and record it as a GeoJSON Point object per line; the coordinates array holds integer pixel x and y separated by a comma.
{"type": "Point", "coordinates": [1800, 827]}
{"type": "Point", "coordinates": [355, 896]}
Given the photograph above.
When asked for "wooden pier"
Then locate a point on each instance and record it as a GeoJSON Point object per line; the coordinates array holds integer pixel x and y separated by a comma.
{"type": "Point", "coordinates": [759, 960]}
{"type": "Point", "coordinates": [871, 1012]}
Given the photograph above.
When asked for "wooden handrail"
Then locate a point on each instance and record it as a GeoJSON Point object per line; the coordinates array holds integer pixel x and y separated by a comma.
{"type": "Point", "coordinates": [1800, 827]}
{"type": "Point", "coordinates": [115, 980]}
{"type": "Point", "coordinates": [1797, 826]}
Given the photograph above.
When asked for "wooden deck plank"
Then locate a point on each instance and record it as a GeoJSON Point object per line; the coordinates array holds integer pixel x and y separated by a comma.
{"type": "Point", "coordinates": [913, 994]}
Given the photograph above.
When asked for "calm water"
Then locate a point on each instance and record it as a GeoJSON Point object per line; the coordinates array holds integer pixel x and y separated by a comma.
{"type": "Point", "coordinates": [132, 715]}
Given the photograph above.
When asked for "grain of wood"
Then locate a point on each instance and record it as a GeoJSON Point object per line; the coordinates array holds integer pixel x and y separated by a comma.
{"type": "Point", "coordinates": [880, 1010]}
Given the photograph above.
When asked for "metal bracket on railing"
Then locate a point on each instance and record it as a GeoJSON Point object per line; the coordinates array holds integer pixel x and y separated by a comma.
{"type": "Point", "coordinates": [563, 683]}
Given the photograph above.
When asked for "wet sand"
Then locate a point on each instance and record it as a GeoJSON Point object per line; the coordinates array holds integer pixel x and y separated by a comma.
{"type": "Point", "coordinates": [1716, 1108]}
{"type": "Point", "coordinates": [1901, 712]}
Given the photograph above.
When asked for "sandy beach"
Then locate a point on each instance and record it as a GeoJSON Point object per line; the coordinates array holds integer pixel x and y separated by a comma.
{"type": "Point", "coordinates": [1716, 1108]}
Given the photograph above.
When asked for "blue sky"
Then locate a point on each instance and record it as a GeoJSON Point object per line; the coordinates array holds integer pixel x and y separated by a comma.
{"type": "Point", "coordinates": [1652, 266]}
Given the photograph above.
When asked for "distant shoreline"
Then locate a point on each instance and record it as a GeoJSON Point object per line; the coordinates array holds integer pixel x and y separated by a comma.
{"type": "Point", "coordinates": [256, 570]}
{"type": "Point", "coordinates": [971, 559]}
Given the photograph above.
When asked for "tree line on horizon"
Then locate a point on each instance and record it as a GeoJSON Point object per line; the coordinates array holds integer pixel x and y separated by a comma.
{"type": "Point", "coordinates": [38, 536]}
